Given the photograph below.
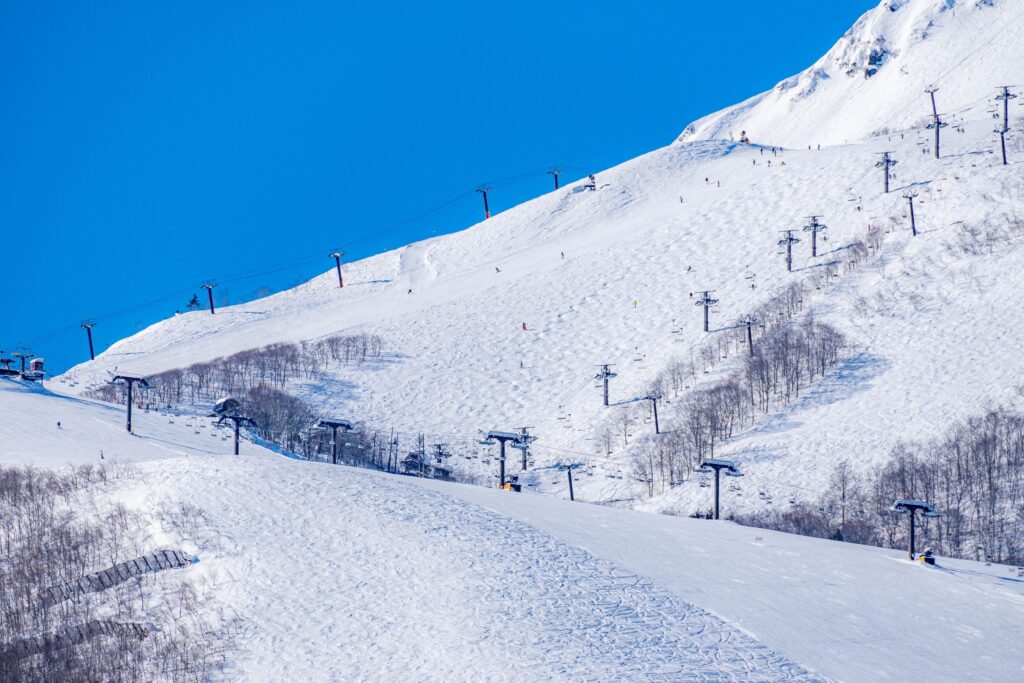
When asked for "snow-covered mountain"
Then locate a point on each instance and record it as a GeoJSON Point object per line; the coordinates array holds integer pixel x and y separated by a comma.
{"type": "Point", "coordinates": [504, 324]}
{"type": "Point", "coordinates": [337, 573]}
{"type": "Point", "coordinates": [418, 580]}
{"type": "Point", "coordinates": [873, 80]}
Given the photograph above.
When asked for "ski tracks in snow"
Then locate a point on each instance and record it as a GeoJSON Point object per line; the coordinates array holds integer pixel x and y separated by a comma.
{"type": "Point", "coordinates": [376, 579]}
{"type": "Point", "coordinates": [567, 614]}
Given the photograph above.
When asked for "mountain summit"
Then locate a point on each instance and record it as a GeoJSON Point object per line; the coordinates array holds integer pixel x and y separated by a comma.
{"type": "Point", "coordinates": [874, 79]}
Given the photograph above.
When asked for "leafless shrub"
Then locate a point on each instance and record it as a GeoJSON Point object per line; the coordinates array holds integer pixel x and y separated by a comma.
{"type": "Point", "coordinates": [275, 365]}
{"type": "Point", "coordinates": [57, 528]}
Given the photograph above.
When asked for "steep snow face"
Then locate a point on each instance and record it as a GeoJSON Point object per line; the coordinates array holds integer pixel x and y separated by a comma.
{"type": "Point", "coordinates": [874, 79]}
{"type": "Point", "coordinates": [43, 430]}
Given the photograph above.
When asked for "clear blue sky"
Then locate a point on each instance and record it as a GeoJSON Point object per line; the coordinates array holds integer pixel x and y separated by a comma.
{"type": "Point", "coordinates": [148, 146]}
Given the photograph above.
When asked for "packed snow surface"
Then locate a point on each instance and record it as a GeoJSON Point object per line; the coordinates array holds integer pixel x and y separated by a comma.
{"type": "Point", "coordinates": [343, 574]}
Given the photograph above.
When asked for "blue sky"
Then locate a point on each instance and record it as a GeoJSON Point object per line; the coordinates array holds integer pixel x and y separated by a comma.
{"type": "Point", "coordinates": [146, 147]}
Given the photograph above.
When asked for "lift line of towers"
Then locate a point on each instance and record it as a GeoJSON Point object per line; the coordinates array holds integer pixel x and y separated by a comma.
{"type": "Point", "coordinates": [887, 163]}
{"type": "Point", "coordinates": [228, 409]}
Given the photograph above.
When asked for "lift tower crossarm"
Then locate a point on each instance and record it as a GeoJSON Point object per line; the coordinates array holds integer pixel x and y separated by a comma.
{"type": "Point", "coordinates": [334, 425]}
{"type": "Point", "coordinates": [909, 505]}
{"type": "Point", "coordinates": [712, 464]}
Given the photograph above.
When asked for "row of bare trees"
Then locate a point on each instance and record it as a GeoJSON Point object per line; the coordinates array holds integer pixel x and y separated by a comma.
{"type": "Point", "coordinates": [260, 379]}
{"type": "Point", "coordinates": [276, 366]}
{"type": "Point", "coordinates": [789, 354]}
{"type": "Point", "coordinates": [973, 475]}
{"type": "Point", "coordinates": [60, 527]}
{"type": "Point", "coordinates": [986, 236]}
{"type": "Point", "coordinates": [785, 361]}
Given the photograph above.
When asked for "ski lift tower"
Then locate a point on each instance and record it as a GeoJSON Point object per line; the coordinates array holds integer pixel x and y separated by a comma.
{"type": "Point", "coordinates": [484, 189]}
{"type": "Point", "coordinates": [208, 286]}
{"type": "Point", "coordinates": [502, 438]}
{"type": "Point", "coordinates": [569, 467]}
{"type": "Point", "coordinates": [706, 301]}
{"type": "Point", "coordinates": [605, 375]}
{"type": "Point", "coordinates": [1005, 96]}
{"type": "Point", "coordinates": [717, 466]}
{"type": "Point", "coordinates": [130, 381]}
{"type": "Point", "coordinates": [229, 409]}
{"type": "Point", "coordinates": [815, 227]}
{"type": "Point", "coordinates": [336, 255]}
{"type": "Point", "coordinates": [334, 425]}
{"type": "Point", "coordinates": [905, 505]}
{"type": "Point", "coordinates": [554, 172]}
{"type": "Point", "coordinates": [524, 444]}
{"type": "Point", "coordinates": [787, 242]}
{"type": "Point", "coordinates": [87, 325]}
{"type": "Point", "coordinates": [937, 123]}
{"type": "Point", "coordinates": [654, 397]}
{"type": "Point", "coordinates": [749, 322]}
{"type": "Point", "coordinates": [886, 163]}
{"type": "Point", "coordinates": [910, 196]}
{"type": "Point", "coordinates": [23, 356]}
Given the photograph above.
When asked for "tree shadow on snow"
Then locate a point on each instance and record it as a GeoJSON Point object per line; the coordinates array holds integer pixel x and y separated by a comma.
{"type": "Point", "coordinates": [851, 377]}
{"type": "Point", "coordinates": [910, 186]}
{"type": "Point", "coordinates": [635, 399]}
{"type": "Point", "coordinates": [816, 265]}
{"type": "Point", "coordinates": [335, 387]}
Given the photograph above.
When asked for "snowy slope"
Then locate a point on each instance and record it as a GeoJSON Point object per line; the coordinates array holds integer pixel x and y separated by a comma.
{"type": "Point", "coordinates": [874, 78]}
{"type": "Point", "coordinates": [850, 612]}
{"type": "Point", "coordinates": [457, 343]}
{"type": "Point", "coordinates": [29, 434]}
{"type": "Point", "coordinates": [931, 328]}
{"type": "Point", "coordinates": [343, 574]}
